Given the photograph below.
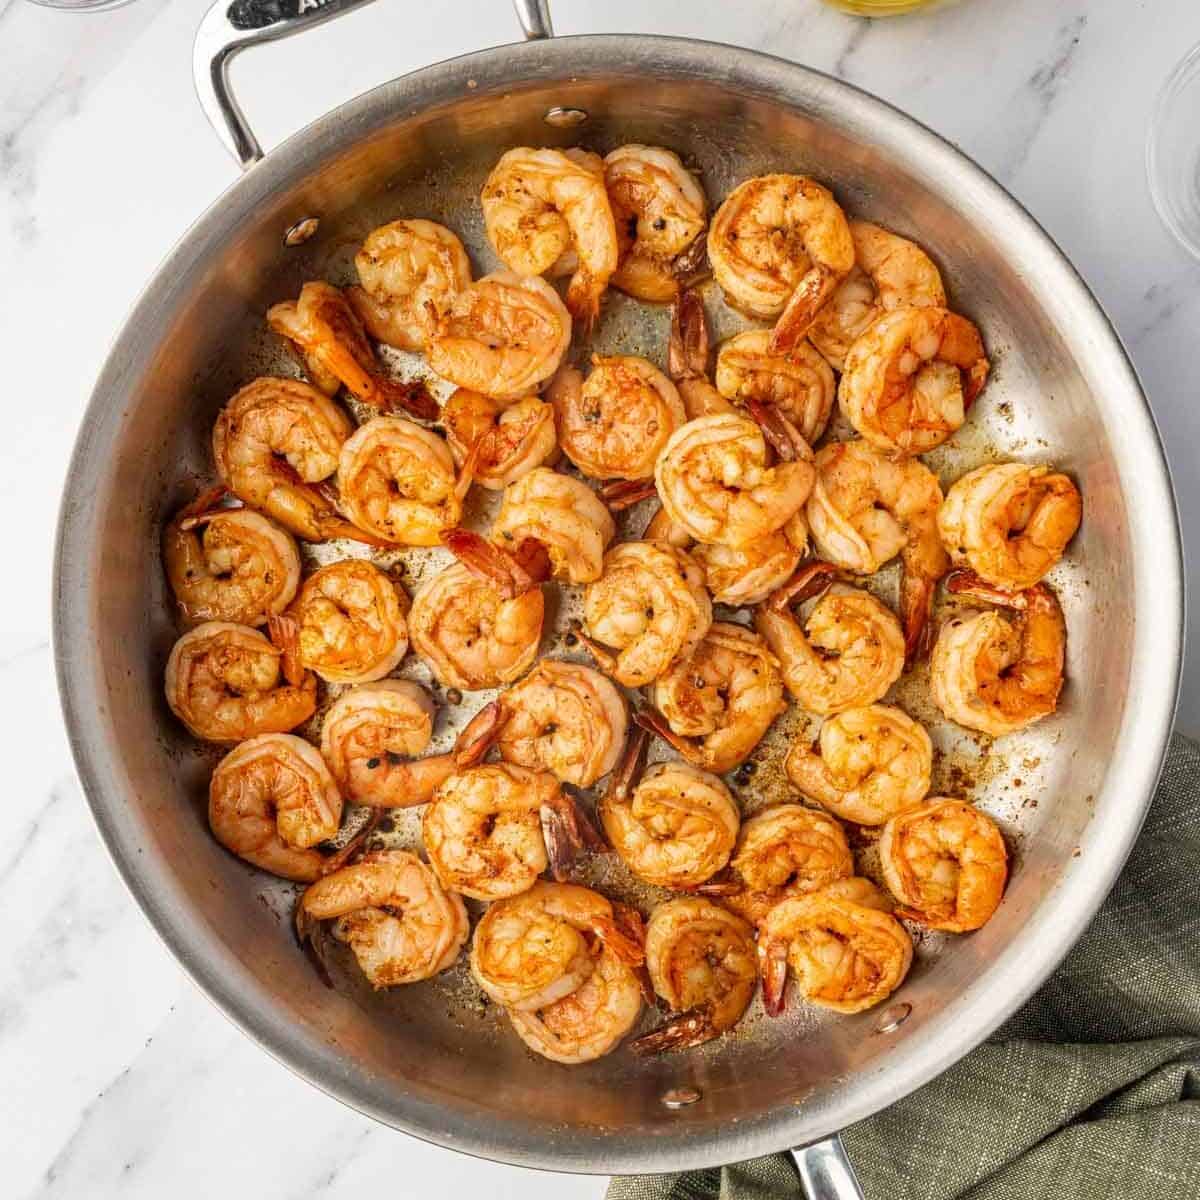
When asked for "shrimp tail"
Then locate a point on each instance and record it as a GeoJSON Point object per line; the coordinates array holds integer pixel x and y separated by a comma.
{"type": "Point", "coordinates": [967, 583]}
{"type": "Point", "coordinates": [916, 603]}
{"type": "Point", "coordinates": [810, 580]}
{"type": "Point", "coordinates": [620, 494]}
{"type": "Point", "coordinates": [692, 267]}
{"type": "Point", "coordinates": [722, 885]}
{"type": "Point", "coordinates": [567, 830]}
{"type": "Point", "coordinates": [652, 721]}
{"type": "Point", "coordinates": [480, 734]}
{"type": "Point", "coordinates": [583, 300]}
{"type": "Point", "coordinates": [285, 637]}
{"type": "Point", "coordinates": [412, 397]}
{"type": "Point", "coordinates": [511, 573]}
{"type": "Point", "coordinates": [785, 439]}
{"type": "Point", "coordinates": [628, 770]}
{"type": "Point", "coordinates": [606, 661]}
{"type": "Point", "coordinates": [205, 506]}
{"type": "Point", "coordinates": [691, 1028]}
{"type": "Point", "coordinates": [624, 935]}
{"type": "Point", "coordinates": [579, 826]}
{"type": "Point", "coordinates": [772, 965]}
{"type": "Point", "coordinates": [801, 309]}
{"type": "Point", "coordinates": [355, 846]}
{"type": "Point", "coordinates": [687, 349]}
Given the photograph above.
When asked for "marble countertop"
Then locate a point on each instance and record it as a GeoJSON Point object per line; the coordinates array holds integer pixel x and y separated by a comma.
{"type": "Point", "coordinates": [118, 1076]}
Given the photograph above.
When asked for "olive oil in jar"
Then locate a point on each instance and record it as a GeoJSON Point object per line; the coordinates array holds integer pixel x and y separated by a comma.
{"type": "Point", "coordinates": [883, 8]}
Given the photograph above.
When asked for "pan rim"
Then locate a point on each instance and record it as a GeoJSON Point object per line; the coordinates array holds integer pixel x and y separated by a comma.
{"type": "Point", "coordinates": [1156, 658]}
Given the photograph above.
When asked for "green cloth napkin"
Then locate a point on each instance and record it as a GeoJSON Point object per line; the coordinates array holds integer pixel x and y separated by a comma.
{"type": "Point", "coordinates": [1092, 1090]}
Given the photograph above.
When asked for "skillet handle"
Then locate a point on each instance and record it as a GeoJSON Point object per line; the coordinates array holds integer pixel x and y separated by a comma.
{"type": "Point", "coordinates": [230, 26]}
{"type": "Point", "coordinates": [825, 1171]}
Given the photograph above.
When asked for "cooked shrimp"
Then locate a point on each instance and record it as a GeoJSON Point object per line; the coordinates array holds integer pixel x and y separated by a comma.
{"type": "Point", "coordinates": [866, 508]}
{"type": "Point", "coordinates": [479, 622]}
{"type": "Point", "coordinates": [389, 908]}
{"type": "Point", "coordinates": [335, 351]}
{"type": "Point", "coordinates": [273, 441]}
{"type": "Point", "coordinates": [615, 423]}
{"type": "Point", "coordinates": [714, 482]}
{"type": "Point", "coordinates": [226, 682]}
{"type": "Point", "coordinates": [483, 830]}
{"type": "Point", "coordinates": [533, 949]}
{"type": "Point", "coordinates": [674, 828]}
{"type": "Point", "coordinates": [397, 481]}
{"type": "Point", "coordinates": [687, 358]}
{"type": "Point", "coordinates": [541, 204]}
{"type": "Point", "coordinates": [410, 272]}
{"type": "Point", "coordinates": [845, 951]}
{"type": "Point", "coordinates": [271, 801]}
{"type": "Point", "coordinates": [1010, 522]}
{"type": "Point", "coordinates": [564, 515]}
{"type": "Point", "coordinates": [564, 718]}
{"type": "Point", "coordinates": [996, 674]}
{"type": "Point", "coordinates": [715, 706]}
{"type": "Point", "coordinates": [846, 654]}
{"type": "Point", "coordinates": [650, 605]}
{"type": "Point", "coordinates": [946, 863]}
{"type": "Point", "coordinates": [229, 564]}
{"type": "Point", "coordinates": [799, 383]}
{"type": "Point", "coordinates": [660, 210]}
{"type": "Point", "coordinates": [889, 272]}
{"type": "Point", "coordinates": [867, 764]}
{"type": "Point", "coordinates": [508, 437]}
{"type": "Point", "coordinates": [779, 246]}
{"type": "Point", "coordinates": [352, 627]}
{"type": "Point", "coordinates": [591, 1020]}
{"type": "Point", "coordinates": [370, 740]}
{"type": "Point", "coordinates": [745, 575]}
{"type": "Point", "coordinates": [702, 963]}
{"type": "Point", "coordinates": [785, 850]}
{"type": "Point", "coordinates": [503, 335]}
{"type": "Point", "coordinates": [908, 381]}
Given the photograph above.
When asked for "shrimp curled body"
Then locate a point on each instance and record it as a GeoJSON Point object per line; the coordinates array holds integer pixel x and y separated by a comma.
{"type": "Point", "coordinates": [539, 205]}
{"type": "Point", "coordinates": [701, 962]}
{"type": "Point", "coordinates": [678, 827]}
{"type": "Point", "coordinates": [225, 683]}
{"type": "Point", "coordinates": [651, 605]}
{"type": "Point", "coordinates": [714, 482]}
{"type": "Point", "coordinates": [867, 764]}
{"type": "Point", "coordinates": [1009, 522]}
{"type": "Point", "coordinates": [392, 912]}
{"type": "Point", "coordinates": [783, 851]}
{"type": "Point", "coordinates": [889, 272]}
{"type": "Point", "coordinates": [995, 674]}
{"type": "Point", "coordinates": [848, 651]}
{"type": "Point", "coordinates": [779, 246]}
{"type": "Point", "coordinates": [352, 626]}
{"type": "Point", "coordinates": [845, 951]}
{"type": "Point", "coordinates": [271, 801]}
{"type": "Point", "coordinates": [564, 718]}
{"type": "Point", "coordinates": [229, 564]}
{"type": "Point", "coordinates": [946, 863]}
{"type": "Point", "coordinates": [410, 272]}
{"type": "Point", "coordinates": [910, 377]}
{"type": "Point", "coordinates": [503, 335]}
{"type": "Point", "coordinates": [371, 737]}
{"type": "Point", "coordinates": [719, 702]}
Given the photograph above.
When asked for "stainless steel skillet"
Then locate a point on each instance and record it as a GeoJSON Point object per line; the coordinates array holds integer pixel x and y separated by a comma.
{"type": "Point", "coordinates": [426, 1060]}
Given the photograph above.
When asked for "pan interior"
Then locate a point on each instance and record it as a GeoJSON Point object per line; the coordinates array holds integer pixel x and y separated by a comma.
{"type": "Point", "coordinates": [433, 1058]}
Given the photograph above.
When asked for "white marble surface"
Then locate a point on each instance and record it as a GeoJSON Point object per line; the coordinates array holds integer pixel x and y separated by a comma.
{"type": "Point", "coordinates": [116, 1076]}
